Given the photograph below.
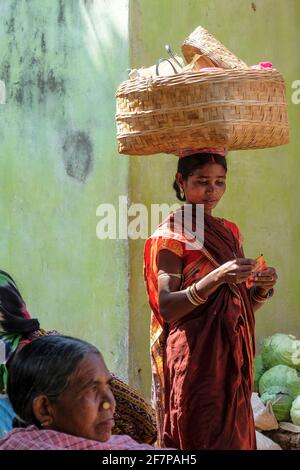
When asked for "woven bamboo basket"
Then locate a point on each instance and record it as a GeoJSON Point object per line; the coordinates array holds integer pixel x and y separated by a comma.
{"type": "Point", "coordinates": [212, 52]}
{"type": "Point", "coordinates": [233, 109]}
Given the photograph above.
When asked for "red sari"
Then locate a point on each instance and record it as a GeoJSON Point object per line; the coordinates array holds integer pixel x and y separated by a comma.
{"type": "Point", "coordinates": [202, 365]}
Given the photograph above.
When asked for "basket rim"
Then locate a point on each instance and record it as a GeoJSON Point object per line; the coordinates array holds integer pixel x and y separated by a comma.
{"type": "Point", "coordinates": [203, 124]}
{"type": "Point", "coordinates": [188, 78]}
{"type": "Point", "coordinates": [230, 103]}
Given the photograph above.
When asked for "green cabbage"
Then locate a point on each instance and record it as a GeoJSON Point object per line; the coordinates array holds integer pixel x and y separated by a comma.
{"type": "Point", "coordinates": [295, 411]}
{"type": "Point", "coordinates": [281, 349]}
{"type": "Point", "coordinates": [280, 379]}
{"type": "Point", "coordinates": [258, 371]}
{"type": "Point", "coordinates": [281, 404]}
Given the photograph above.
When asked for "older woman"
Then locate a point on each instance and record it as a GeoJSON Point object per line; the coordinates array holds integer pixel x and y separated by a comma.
{"type": "Point", "coordinates": [134, 416]}
{"type": "Point", "coordinates": [60, 389]}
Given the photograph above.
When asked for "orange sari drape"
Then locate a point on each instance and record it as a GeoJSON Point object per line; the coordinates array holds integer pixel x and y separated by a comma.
{"type": "Point", "coordinates": [202, 365]}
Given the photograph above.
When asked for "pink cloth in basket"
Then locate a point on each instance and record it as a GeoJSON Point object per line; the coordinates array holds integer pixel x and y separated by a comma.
{"type": "Point", "coordinates": [262, 66]}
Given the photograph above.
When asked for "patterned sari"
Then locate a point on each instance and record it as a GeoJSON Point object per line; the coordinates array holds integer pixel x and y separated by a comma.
{"type": "Point", "coordinates": [202, 365]}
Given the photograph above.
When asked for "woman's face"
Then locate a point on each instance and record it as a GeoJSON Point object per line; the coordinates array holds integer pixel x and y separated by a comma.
{"type": "Point", "coordinates": [87, 406]}
{"type": "Point", "coordinates": [205, 186]}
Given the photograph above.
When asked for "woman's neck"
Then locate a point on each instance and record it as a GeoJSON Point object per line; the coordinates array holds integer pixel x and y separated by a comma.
{"type": "Point", "coordinates": [206, 211]}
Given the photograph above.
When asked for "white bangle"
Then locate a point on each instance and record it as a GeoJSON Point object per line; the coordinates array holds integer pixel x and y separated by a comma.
{"type": "Point", "coordinates": [171, 274]}
{"type": "Point", "coordinates": [189, 296]}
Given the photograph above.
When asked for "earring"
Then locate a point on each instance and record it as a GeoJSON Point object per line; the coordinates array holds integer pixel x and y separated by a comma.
{"type": "Point", "coordinates": [106, 405]}
{"type": "Point", "coordinates": [45, 423]}
{"type": "Point", "coordinates": [181, 192]}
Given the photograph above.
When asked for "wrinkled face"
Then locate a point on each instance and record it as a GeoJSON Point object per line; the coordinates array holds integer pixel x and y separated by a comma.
{"type": "Point", "coordinates": [87, 406]}
{"type": "Point", "coordinates": [205, 186]}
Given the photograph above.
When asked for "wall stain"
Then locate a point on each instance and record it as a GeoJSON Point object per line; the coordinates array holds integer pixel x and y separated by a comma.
{"type": "Point", "coordinates": [34, 78]}
{"type": "Point", "coordinates": [34, 61]}
{"type": "Point", "coordinates": [43, 43]}
{"type": "Point", "coordinates": [41, 83]}
{"type": "Point", "coordinates": [19, 95]}
{"type": "Point", "coordinates": [23, 88]}
{"type": "Point", "coordinates": [5, 72]}
{"type": "Point", "coordinates": [50, 84]}
{"type": "Point", "coordinates": [61, 13]}
{"type": "Point", "coordinates": [21, 91]}
{"type": "Point", "coordinates": [78, 155]}
{"type": "Point", "coordinates": [253, 6]}
{"type": "Point", "coordinates": [55, 85]}
{"type": "Point", "coordinates": [11, 26]}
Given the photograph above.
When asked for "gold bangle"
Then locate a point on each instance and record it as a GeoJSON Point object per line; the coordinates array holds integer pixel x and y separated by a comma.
{"type": "Point", "coordinates": [193, 295]}
{"type": "Point", "coordinates": [196, 300]}
{"type": "Point", "coordinates": [194, 292]}
{"type": "Point", "coordinates": [260, 301]}
{"type": "Point", "coordinates": [190, 297]}
{"type": "Point", "coordinates": [258, 298]}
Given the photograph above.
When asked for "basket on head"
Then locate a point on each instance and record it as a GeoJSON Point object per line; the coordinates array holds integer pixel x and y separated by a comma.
{"type": "Point", "coordinates": [233, 109]}
{"type": "Point", "coordinates": [212, 52]}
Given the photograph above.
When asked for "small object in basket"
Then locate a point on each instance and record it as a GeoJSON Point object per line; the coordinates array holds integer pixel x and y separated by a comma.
{"type": "Point", "coordinates": [200, 63]}
{"type": "Point", "coordinates": [163, 67]}
{"type": "Point", "coordinates": [176, 58]}
{"type": "Point", "coordinates": [260, 265]}
{"type": "Point", "coordinates": [133, 73]}
{"type": "Point", "coordinates": [262, 66]}
{"type": "Point", "coordinates": [212, 51]}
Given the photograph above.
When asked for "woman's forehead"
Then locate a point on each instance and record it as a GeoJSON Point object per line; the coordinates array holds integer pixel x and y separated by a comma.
{"type": "Point", "coordinates": [210, 169]}
{"type": "Point", "coordinates": [91, 367]}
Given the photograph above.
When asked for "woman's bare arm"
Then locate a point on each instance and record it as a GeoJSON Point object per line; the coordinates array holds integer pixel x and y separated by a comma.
{"type": "Point", "coordinates": [174, 303]}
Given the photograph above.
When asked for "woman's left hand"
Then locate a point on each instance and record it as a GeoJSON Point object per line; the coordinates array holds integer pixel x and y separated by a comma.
{"type": "Point", "coordinates": [265, 280]}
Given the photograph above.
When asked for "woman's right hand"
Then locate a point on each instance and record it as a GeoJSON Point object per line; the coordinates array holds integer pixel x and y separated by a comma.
{"type": "Point", "coordinates": [235, 271]}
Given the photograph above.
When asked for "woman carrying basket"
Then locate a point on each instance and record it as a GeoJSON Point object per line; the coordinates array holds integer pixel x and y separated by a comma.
{"type": "Point", "coordinates": [202, 325]}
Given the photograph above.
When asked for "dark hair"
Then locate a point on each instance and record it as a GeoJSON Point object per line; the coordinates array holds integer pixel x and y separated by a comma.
{"type": "Point", "coordinates": [187, 166]}
{"type": "Point", "coordinates": [43, 366]}
{"type": "Point", "coordinates": [13, 319]}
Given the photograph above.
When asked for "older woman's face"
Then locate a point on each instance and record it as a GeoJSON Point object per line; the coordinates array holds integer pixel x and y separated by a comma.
{"type": "Point", "coordinates": [87, 406]}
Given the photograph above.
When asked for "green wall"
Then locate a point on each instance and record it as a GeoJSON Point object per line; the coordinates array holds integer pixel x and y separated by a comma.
{"type": "Point", "coordinates": [263, 185]}
{"type": "Point", "coordinates": [62, 61]}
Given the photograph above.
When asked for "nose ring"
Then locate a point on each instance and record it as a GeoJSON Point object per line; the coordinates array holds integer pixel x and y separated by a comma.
{"type": "Point", "coordinates": [106, 405]}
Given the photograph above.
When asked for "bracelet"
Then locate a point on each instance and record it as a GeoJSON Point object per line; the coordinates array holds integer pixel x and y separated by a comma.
{"type": "Point", "coordinates": [193, 295]}
{"type": "Point", "coordinates": [171, 274]}
{"type": "Point", "coordinates": [194, 292]}
{"type": "Point", "coordinates": [189, 296]}
{"type": "Point", "coordinates": [259, 298]}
